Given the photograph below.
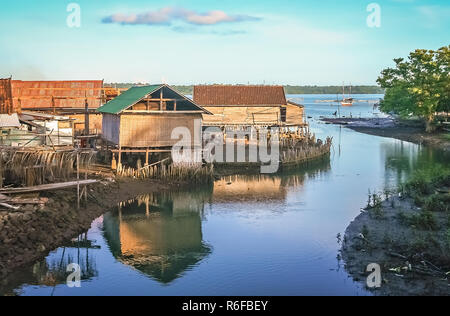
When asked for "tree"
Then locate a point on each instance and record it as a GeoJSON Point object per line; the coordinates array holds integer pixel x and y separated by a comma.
{"type": "Point", "coordinates": [419, 85]}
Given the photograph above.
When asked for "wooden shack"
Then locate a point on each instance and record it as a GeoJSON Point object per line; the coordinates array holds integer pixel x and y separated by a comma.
{"type": "Point", "coordinates": [144, 117]}
{"type": "Point", "coordinates": [248, 106]}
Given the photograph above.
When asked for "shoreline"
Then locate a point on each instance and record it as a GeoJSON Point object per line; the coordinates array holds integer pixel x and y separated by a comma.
{"type": "Point", "coordinates": [387, 127]}
{"type": "Point", "coordinates": [31, 234]}
{"type": "Point", "coordinates": [407, 235]}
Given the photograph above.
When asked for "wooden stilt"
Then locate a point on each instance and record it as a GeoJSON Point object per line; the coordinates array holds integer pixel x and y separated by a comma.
{"type": "Point", "coordinates": [1, 169]}
{"type": "Point", "coordinates": [113, 162]}
{"type": "Point", "coordinates": [78, 180]}
{"type": "Point", "coordinates": [119, 165]}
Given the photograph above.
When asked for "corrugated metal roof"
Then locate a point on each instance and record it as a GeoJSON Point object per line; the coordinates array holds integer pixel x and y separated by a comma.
{"type": "Point", "coordinates": [239, 95]}
{"type": "Point", "coordinates": [127, 99]}
{"type": "Point", "coordinates": [9, 120]}
{"type": "Point", "coordinates": [66, 94]}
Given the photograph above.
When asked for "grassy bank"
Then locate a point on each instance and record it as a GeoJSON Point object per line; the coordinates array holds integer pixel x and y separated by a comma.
{"type": "Point", "coordinates": [407, 232]}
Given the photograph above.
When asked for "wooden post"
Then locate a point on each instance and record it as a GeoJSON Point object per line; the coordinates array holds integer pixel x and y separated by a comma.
{"type": "Point", "coordinates": [85, 187]}
{"type": "Point", "coordinates": [113, 162]}
{"type": "Point", "coordinates": [86, 118]}
{"type": "Point", "coordinates": [119, 164]}
{"type": "Point", "coordinates": [78, 180]}
{"type": "Point", "coordinates": [53, 105]}
{"type": "Point", "coordinates": [146, 157]}
{"type": "Point", "coordinates": [161, 99]}
{"type": "Point", "coordinates": [1, 169]}
{"type": "Point", "coordinates": [175, 105]}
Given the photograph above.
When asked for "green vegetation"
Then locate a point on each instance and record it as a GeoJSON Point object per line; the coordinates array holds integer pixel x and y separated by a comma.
{"type": "Point", "coordinates": [425, 181]}
{"type": "Point", "coordinates": [438, 203]}
{"type": "Point", "coordinates": [188, 89]}
{"type": "Point", "coordinates": [424, 188]}
{"type": "Point", "coordinates": [418, 86]}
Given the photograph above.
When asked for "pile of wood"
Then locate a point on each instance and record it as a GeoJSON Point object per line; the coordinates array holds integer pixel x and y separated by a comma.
{"type": "Point", "coordinates": [15, 203]}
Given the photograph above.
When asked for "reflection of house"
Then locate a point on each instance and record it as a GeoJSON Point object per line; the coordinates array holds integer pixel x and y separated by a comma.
{"type": "Point", "coordinates": [245, 188]}
{"type": "Point", "coordinates": [159, 235]}
{"type": "Point", "coordinates": [144, 117]}
{"type": "Point", "coordinates": [248, 106]}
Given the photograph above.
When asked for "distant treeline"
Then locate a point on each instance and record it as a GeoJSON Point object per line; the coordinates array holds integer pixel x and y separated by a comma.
{"type": "Point", "coordinates": [188, 89]}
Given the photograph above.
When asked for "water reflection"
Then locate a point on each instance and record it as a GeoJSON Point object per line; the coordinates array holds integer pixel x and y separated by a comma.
{"type": "Point", "coordinates": [402, 159]}
{"type": "Point", "coordinates": [53, 271]}
{"type": "Point", "coordinates": [159, 234]}
{"type": "Point", "coordinates": [260, 187]}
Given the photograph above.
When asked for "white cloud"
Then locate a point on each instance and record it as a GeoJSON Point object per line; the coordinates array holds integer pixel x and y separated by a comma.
{"type": "Point", "coordinates": [167, 15]}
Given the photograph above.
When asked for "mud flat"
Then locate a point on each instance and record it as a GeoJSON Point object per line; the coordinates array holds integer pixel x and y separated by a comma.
{"type": "Point", "coordinates": [388, 127]}
{"type": "Point", "coordinates": [409, 237]}
{"type": "Point", "coordinates": [30, 233]}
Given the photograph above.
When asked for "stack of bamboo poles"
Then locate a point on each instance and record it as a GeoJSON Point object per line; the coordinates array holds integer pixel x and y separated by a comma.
{"type": "Point", "coordinates": [36, 166]}
{"type": "Point", "coordinates": [181, 172]}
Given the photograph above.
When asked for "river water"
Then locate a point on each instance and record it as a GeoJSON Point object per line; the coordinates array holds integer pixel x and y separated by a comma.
{"type": "Point", "coordinates": [247, 235]}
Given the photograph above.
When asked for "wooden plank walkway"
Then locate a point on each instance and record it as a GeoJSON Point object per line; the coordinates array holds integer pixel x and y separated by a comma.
{"type": "Point", "coordinates": [47, 187]}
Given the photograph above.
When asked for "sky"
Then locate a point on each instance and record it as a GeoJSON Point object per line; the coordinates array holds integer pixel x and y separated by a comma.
{"type": "Point", "coordinates": [206, 41]}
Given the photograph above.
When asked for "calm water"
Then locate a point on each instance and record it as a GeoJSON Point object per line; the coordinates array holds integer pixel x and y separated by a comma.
{"type": "Point", "coordinates": [248, 235]}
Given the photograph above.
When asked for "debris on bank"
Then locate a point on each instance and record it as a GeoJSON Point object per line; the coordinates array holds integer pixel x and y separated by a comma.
{"type": "Point", "coordinates": [407, 233]}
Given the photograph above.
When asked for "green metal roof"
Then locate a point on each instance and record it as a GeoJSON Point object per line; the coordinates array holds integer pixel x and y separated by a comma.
{"type": "Point", "coordinates": [127, 99]}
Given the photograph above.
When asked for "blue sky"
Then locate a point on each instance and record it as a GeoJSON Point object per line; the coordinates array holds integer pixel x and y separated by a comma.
{"type": "Point", "coordinates": [229, 41]}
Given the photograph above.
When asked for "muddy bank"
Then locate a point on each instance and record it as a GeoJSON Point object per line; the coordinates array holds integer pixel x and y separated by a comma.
{"type": "Point", "coordinates": [411, 243]}
{"type": "Point", "coordinates": [32, 232]}
{"type": "Point", "coordinates": [388, 127]}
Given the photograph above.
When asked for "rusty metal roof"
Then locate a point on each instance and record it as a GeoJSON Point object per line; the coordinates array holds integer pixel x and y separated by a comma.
{"type": "Point", "coordinates": [216, 95]}
{"type": "Point", "coordinates": [6, 104]}
{"type": "Point", "coordinates": [56, 94]}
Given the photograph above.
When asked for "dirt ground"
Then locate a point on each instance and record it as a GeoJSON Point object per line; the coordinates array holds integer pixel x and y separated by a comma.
{"type": "Point", "coordinates": [413, 261]}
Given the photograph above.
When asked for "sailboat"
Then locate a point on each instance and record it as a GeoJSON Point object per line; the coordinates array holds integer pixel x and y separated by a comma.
{"type": "Point", "coordinates": [346, 101]}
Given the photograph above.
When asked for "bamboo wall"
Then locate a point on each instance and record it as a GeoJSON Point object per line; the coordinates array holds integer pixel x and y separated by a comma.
{"type": "Point", "coordinates": [95, 121]}
{"type": "Point", "coordinates": [242, 115]}
{"type": "Point", "coordinates": [252, 115]}
{"type": "Point", "coordinates": [294, 115]}
{"type": "Point", "coordinates": [147, 130]}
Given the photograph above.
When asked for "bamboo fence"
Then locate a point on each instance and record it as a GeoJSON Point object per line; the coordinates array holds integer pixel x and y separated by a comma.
{"type": "Point", "coordinates": [37, 166]}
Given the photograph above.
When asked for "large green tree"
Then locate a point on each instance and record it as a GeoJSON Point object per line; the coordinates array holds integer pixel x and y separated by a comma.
{"type": "Point", "coordinates": [419, 85]}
